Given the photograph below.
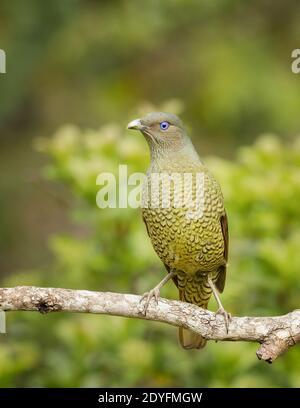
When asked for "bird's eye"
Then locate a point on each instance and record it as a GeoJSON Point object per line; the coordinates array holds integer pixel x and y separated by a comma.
{"type": "Point", "coordinates": [164, 125]}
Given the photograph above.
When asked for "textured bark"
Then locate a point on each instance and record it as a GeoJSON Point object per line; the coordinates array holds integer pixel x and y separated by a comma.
{"type": "Point", "coordinates": [275, 334]}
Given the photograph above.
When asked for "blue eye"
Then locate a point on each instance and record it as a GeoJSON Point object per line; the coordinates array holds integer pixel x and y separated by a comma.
{"type": "Point", "coordinates": [164, 125]}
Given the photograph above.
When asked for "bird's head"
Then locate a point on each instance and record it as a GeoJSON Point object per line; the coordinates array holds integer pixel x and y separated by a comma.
{"type": "Point", "coordinates": [163, 131]}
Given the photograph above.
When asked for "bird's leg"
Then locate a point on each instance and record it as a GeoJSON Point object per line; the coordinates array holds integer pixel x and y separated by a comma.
{"type": "Point", "coordinates": [221, 310]}
{"type": "Point", "coordinates": [155, 292]}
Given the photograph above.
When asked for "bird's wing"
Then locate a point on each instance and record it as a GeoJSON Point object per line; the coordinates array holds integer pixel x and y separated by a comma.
{"type": "Point", "coordinates": [144, 219]}
{"type": "Point", "coordinates": [222, 274]}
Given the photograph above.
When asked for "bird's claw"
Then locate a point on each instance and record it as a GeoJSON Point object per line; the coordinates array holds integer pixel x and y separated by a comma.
{"type": "Point", "coordinates": [153, 293]}
{"type": "Point", "coordinates": [227, 317]}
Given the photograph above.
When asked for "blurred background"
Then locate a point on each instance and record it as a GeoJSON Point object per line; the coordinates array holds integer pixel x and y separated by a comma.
{"type": "Point", "coordinates": [77, 72]}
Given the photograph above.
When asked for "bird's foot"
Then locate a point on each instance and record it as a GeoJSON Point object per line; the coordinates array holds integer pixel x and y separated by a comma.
{"type": "Point", "coordinates": [153, 293]}
{"type": "Point", "coordinates": [227, 317]}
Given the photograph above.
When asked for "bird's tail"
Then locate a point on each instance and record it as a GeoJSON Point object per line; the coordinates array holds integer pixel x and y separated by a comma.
{"type": "Point", "coordinates": [194, 290]}
{"type": "Point", "coordinates": [190, 340]}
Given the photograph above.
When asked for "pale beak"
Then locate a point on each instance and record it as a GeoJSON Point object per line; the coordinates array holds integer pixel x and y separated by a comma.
{"type": "Point", "coordinates": [135, 124]}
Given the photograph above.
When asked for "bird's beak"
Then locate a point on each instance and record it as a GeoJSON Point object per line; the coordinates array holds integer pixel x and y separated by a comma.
{"type": "Point", "coordinates": [135, 124]}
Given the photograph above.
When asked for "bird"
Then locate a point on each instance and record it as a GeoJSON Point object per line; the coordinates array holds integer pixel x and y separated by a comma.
{"type": "Point", "coordinates": [187, 223]}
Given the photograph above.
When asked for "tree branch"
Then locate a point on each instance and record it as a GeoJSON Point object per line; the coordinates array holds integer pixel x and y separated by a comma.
{"type": "Point", "coordinates": [275, 334]}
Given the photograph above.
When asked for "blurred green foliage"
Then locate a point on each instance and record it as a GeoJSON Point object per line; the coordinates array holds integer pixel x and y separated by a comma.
{"type": "Point", "coordinates": [227, 62]}
{"type": "Point", "coordinates": [92, 62]}
{"type": "Point", "coordinates": [112, 252]}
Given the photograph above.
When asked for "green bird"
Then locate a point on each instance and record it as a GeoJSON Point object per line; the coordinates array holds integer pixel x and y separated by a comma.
{"type": "Point", "coordinates": [184, 213]}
